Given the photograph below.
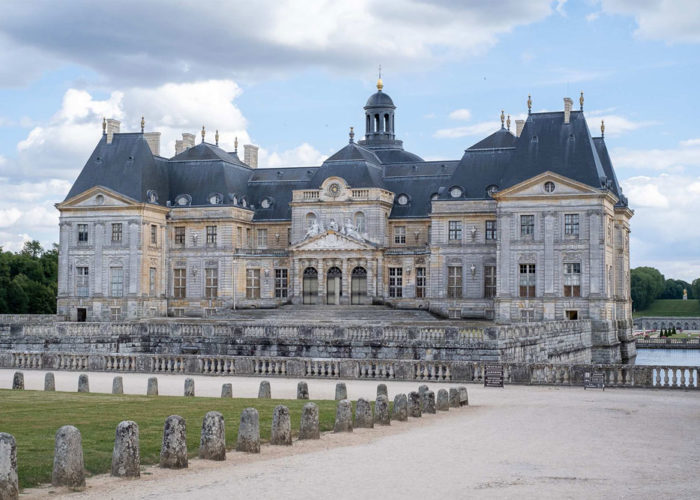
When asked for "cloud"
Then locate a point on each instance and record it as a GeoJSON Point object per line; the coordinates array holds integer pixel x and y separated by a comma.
{"type": "Point", "coordinates": [172, 41]}
{"type": "Point", "coordinates": [461, 114]}
{"type": "Point", "coordinates": [301, 156]}
{"type": "Point", "coordinates": [478, 129]}
{"type": "Point", "coordinates": [671, 159]}
{"type": "Point", "coordinates": [673, 21]}
{"type": "Point", "coordinates": [616, 125]}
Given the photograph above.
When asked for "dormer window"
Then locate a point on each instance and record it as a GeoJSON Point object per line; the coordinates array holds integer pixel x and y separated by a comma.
{"type": "Point", "coordinates": [152, 196]}
{"type": "Point", "coordinates": [492, 189]}
{"type": "Point", "coordinates": [402, 199]}
{"type": "Point", "coordinates": [183, 200]}
{"type": "Point", "coordinates": [266, 203]}
{"type": "Point", "coordinates": [455, 192]}
{"type": "Point", "coordinates": [549, 187]}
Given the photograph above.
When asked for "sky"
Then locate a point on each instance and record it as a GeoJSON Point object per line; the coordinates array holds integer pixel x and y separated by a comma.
{"type": "Point", "coordinates": [291, 76]}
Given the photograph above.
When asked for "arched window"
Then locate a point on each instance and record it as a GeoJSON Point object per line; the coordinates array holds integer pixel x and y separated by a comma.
{"type": "Point", "coordinates": [310, 219]}
{"type": "Point", "coordinates": [360, 222]}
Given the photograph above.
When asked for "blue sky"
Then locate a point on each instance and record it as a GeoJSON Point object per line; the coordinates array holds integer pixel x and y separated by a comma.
{"type": "Point", "coordinates": [292, 76]}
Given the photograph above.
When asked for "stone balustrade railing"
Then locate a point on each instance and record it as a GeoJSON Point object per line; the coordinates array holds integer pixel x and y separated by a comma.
{"type": "Point", "coordinates": [668, 343]}
{"type": "Point", "coordinates": [629, 376]}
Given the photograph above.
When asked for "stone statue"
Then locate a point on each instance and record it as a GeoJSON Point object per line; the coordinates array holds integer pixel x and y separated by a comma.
{"type": "Point", "coordinates": [313, 230]}
{"type": "Point", "coordinates": [685, 294]}
{"type": "Point", "coordinates": [333, 225]}
{"type": "Point", "coordinates": [350, 230]}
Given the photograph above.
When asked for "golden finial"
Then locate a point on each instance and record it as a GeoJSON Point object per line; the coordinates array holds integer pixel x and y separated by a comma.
{"type": "Point", "coordinates": [204, 132]}
{"type": "Point", "coordinates": [602, 128]}
{"type": "Point", "coordinates": [216, 137]}
{"type": "Point", "coordinates": [529, 104]}
{"type": "Point", "coordinates": [104, 125]}
{"type": "Point", "coordinates": [352, 135]}
{"type": "Point", "coordinates": [580, 100]}
{"type": "Point", "coordinates": [143, 124]}
{"type": "Point", "coordinates": [508, 123]}
{"type": "Point", "coordinates": [235, 145]}
{"type": "Point", "coordinates": [380, 84]}
{"type": "Point", "coordinates": [503, 118]}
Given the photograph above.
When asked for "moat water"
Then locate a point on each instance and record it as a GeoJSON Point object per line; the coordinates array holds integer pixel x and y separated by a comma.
{"type": "Point", "coordinates": [673, 357]}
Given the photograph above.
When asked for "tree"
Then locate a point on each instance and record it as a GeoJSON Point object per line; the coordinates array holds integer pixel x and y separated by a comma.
{"type": "Point", "coordinates": [32, 249]}
{"type": "Point", "coordinates": [646, 285]}
{"type": "Point", "coordinates": [673, 289]}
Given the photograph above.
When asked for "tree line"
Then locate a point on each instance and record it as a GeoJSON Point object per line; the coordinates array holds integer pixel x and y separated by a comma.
{"type": "Point", "coordinates": [648, 284]}
{"type": "Point", "coordinates": [29, 280]}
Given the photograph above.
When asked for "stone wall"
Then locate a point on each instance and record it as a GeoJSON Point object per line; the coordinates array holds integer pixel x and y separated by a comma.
{"type": "Point", "coordinates": [659, 322]}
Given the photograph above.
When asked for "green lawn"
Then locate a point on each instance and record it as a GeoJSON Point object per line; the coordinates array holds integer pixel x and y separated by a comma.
{"type": "Point", "coordinates": [33, 417]}
{"type": "Point", "coordinates": [671, 307]}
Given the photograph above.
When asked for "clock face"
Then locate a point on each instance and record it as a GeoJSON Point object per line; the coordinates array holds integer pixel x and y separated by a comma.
{"type": "Point", "coordinates": [334, 189]}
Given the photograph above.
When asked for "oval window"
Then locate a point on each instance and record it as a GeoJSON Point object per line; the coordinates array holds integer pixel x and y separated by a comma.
{"type": "Point", "coordinates": [402, 199]}
{"type": "Point", "coordinates": [456, 192]}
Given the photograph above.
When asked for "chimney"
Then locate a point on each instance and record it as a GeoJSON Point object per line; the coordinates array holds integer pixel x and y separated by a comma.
{"type": "Point", "coordinates": [519, 124]}
{"type": "Point", "coordinates": [568, 104]}
{"type": "Point", "coordinates": [250, 155]}
{"type": "Point", "coordinates": [183, 144]}
{"type": "Point", "coordinates": [179, 148]}
{"type": "Point", "coordinates": [112, 128]}
{"type": "Point", "coordinates": [153, 140]}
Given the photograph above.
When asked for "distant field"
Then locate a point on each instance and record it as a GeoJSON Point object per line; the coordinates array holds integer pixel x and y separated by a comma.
{"type": "Point", "coordinates": [671, 307]}
{"type": "Point", "coordinates": [33, 417]}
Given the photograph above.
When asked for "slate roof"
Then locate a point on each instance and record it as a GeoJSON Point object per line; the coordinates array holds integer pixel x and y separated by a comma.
{"type": "Point", "coordinates": [379, 100]}
{"type": "Point", "coordinates": [501, 160]}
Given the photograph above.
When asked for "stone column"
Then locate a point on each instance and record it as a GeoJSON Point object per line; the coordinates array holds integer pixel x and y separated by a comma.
{"type": "Point", "coordinates": [380, 277]}
{"type": "Point", "coordinates": [134, 245]}
{"type": "Point", "coordinates": [321, 281]}
{"type": "Point", "coordinates": [68, 467]}
{"type": "Point", "coordinates": [596, 250]}
{"type": "Point", "coordinates": [63, 271]}
{"type": "Point", "coordinates": [549, 264]}
{"type": "Point", "coordinates": [126, 458]}
{"type": "Point", "coordinates": [96, 272]}
{"type": "Point", "coordinates": [345, 283]}
{"type": "Point", "coordinates": [504, 257]}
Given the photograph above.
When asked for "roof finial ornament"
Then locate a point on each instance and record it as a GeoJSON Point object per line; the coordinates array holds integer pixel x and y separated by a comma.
{"type": "Point", "coordinates": [352, 135]}
{"type": "Point", "coordinates": [104, 125]}
{"type": "Point", "coordinates": [602, 128]}
{"type": "Point", "coordinates": [580, 100]}
{"type": "Point", "coordinates": [503, 118]}
{"type": "Point", "coordinates": [508, 123]}
{"type": "Point", "coordinates": [216, 137]}
{"type": "Point", "coordinates": [204, 132]}
{"type": "Point", "coordinates": [143, 124]}
{"type": "Point", "coordinates": [235, 145]}
{"type": "Point", "coordinates": [380, 84]}
{"type": "Point", "coordinates": [529, 104]}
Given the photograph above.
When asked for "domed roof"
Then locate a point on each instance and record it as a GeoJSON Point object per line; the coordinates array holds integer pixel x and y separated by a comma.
{"type": "Point", "coordinates": [379, 99]}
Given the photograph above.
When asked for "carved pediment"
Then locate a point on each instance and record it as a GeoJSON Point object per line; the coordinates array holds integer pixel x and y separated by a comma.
{"type": "Point", "coordinates": [97, 197]}
{"type": "Point", "coordinates": [558, 185]}
{"type": "Point", "coordinates": [332, 240]}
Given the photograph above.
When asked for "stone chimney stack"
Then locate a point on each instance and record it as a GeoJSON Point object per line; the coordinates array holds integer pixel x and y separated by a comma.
{"type": "Point", "coordinates": [250, 155]}
{"type": "Point", "coordinates": [112, 128]}
{"type": "Point", "coordinates": [185, 143]}
{"type": "Point", "coordinates": [568, 104]}
{"type": "Point", "coordinates": [153, 140]}
{"type": "Point", "coordinates": [519, 125]}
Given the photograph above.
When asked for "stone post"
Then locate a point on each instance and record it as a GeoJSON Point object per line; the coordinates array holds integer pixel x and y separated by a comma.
{"type": "Point", "coordinates": [463, 396]}
{"type": "Point", "coordinates": [363, 414]}
{"type": "Point", "coordinates": [414, 404]}
{"type": "Point", "coordinates": [381, 410]}
{"type": "Point", "coordinates": [309, 428]}
{"type": "Point", "coordinates": [68, 469]}
{"type": "Point", "coordinates": [281, 433]}
{"type": "Point", "coordinates": [83, 383]}
{"type": "Point", "coordinates": [341, 392]}
{"type": "Point", "coordinates": [264, 392]}
{"type": "Point", "coordinates": [381, 390]}
{"type": "Point", "coordinates": [343, 417]}
{"type": "Point", "coordinates": [400, 408]}
{"type": "Point", "coordinates": [249, 432]}
{"type": "Point", "coordinates": [173, 452]}
{"type": "Point", "coordinates": [454, 397]}
{"type": "Point", "coordinates": [117, 385]}
{"type": "Point", "coordinates": [9, 485]}
{"type": "Point", "coordinates": [227, 391]}
{"type": "Point", "coordinates": [189, 387]}
{"type": "Point", "coordinates": [212, 443]}
{"type": "Point", "coordinates": [152, 388]}
{"type": "Point", "coordinates": [302, 390]}
{"type": "Point", "coordinates": [49, 382]}
{"type": "Point", "coordinates": [18, 381]}
{"type": "Point", "coordinates": [423, 390]}
{"type": "Point", "coordinates": [429, 402]}
{"type": "Point", "coordinates": [126, 458]}
{"type": "Point", "coordinates": [443, 400]}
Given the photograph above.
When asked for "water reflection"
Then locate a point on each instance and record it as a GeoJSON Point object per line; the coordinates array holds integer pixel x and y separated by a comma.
{"type": "Point", "coordinates": [672, 357]}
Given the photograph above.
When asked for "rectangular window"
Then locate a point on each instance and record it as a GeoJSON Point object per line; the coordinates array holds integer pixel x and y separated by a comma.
{"type": "Point", "coordinates": [572, 315]}
{"type": "Point", "coordinates": [454, 282]}
{"type": "Point", "coordinates": [152, 281]}
{"type": "Point", "coordinates": [262, 238]}
{"type": "Point", "coordinates": [281, 283]}
{"type": "Point", "coordinates": [116, 281]}
{"type": "Point", "coordinates": [115, 313]}
{"type": "Point", "coordinates": [571, 224]}
{"type": "Point", "coordinates": [248, 238]}
{"type": "Point", "coordinates": [154, 234]}
{"type": "Point", "coordinates": [211, 283]}
{"type": "Point", "coordinates": [399, 235]}
{"type": "Point", "coordinates": [211, 236]}
{"type": "Point", "coordinates": [421, 279]}
{"type": "Point", "coordinates": [489, 281]}
{"type": "Point", "coordinates": [179, 312]}
{"type": "Point", "coordinates": [455, 230]}
{"type": "Point", "coordinates": [490, 230]}
{"type": "Point", "coordinates": [527, 280]}
{"type": "Point", "coordinates": [82, 282]}
{"type": "Point", "coordinates": [179, 235]}
{"type": "Point", "coordinates": [527, 315]}
{"type": "Point", "coordinates": [116, 232]}
{"type": "Point", "coordinates": [572, 279]}
{"type": "Point", "coordinates": [289, 236]}
{"type": "Point", "coordinates": [527, 225]}
{"type": "Point", "coordinates": [180, 283]}
{"type": "Point", "coordinates": [396, 282]}
{"type": "Point", "coordinates": [252, 284]}
{"type": "Point", "coordinates": [82, 233]}
{"type": "Point", "coordinates": [239, 236]}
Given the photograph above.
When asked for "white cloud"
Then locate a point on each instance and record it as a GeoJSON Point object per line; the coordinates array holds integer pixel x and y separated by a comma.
{"type": "Point", "coordinates": [13, 242]}
{"type": "Point", "coordinates": [301, 156]}
{"type": "Point", "coordinates": [9, 216]}
{"type": "Point", "coordinates": [671, 159]}
{"type": "Point", "coordinates": [642, 193]}
{"type": "Point", "coordinates": [593, 16]}
{"type": "Point", "coordinates": [669, 20]}
{"type": "Point", "coordinates": [616, 125]}
{"type": "Point", "coordinates": [690, 142]}
{"type": "Point", "coordinates": [478, 129]}
{"type": "Point", "coordinates": [461, 114]}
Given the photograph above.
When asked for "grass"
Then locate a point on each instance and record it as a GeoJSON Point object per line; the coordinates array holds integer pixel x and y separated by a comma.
{"type": "Point", "coordinates": [33, 417]}
{"type": "Point", "coordinates": [671, 307]}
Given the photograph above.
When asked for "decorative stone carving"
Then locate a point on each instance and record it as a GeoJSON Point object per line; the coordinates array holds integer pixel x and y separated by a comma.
{"type": "Point", "coordinates": [68, 468]}
{"type": "Point", "coordinates": [341, 392]}
{"type": "Point", "coordinates": [212, 442]}
{"type": "Point", "coordinates": [173, 452]}
{"type": "Point", "coordinates": [83, 383]}
{"type": "Point", "coordinates": [18, 381]}
{"type": "Point", "coordinates": [400, 408]}
{"type": "Point", "coordinates": [49, 382]}
{"type": "Point", "coordinates": [249, 432]}
{"type": "Point", "coordinates": [152, 388]}
{"type": "Point", "coordinates": [343, 417]}
{"type": "Point", "coordinates": [302, 390]}
{"type": "Point", "coordinates": [281, 433]}
{"type": "Point", "coordinates": [126, 457]}
{"type": "Point", "coordinates": [443, 400]}
{"type": "Point", "coordinates": [189, 387]}
{"type": "Point", "coordinates": [9, 484]}
{"type": "Point", "coordinates": [414, 404]}
{"type": "Point", "coordinates": [363, 414]}
{"type": "Point", "coordinates": [226, 391]}
{"type": "Point", "coordinates": [264, 392]}
{"type": "Point", "coordinates": [117, 385]}
{"type": "Point", "coordinates": [309, 428]}
{"type": "Point", "coordinates": [381, 410]}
